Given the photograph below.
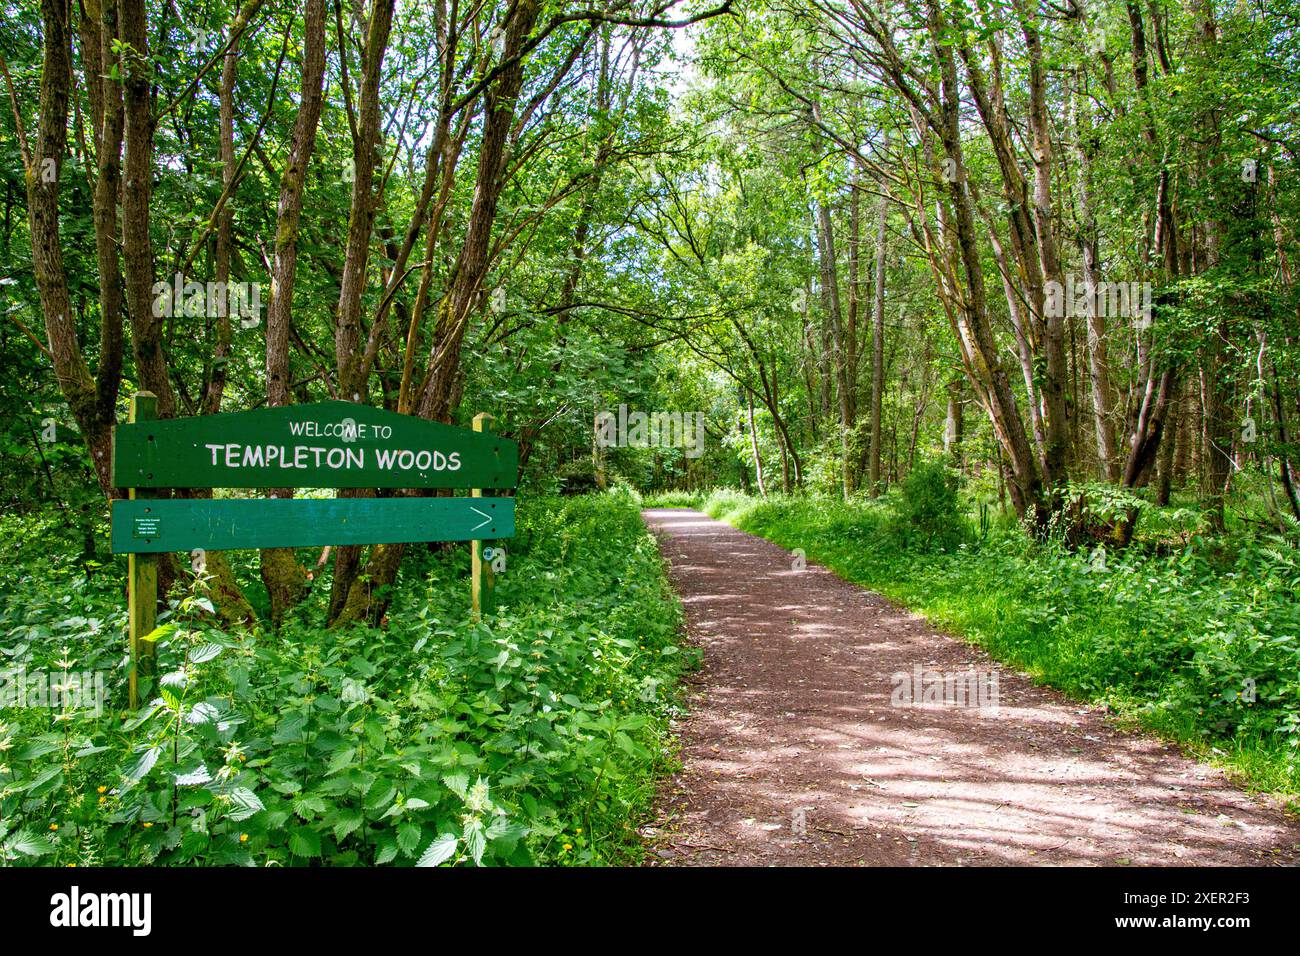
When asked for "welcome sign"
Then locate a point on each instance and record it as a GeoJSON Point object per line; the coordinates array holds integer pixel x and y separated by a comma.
{"type": "Point", "coordinates": [321, 445]}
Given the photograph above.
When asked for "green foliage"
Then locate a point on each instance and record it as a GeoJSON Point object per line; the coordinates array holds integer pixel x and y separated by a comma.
{"type": "Point", "coordinates": [1200, 645]}
{"type": "Point", "coordinates": [534, 736]}
{"type": "Point", "coordinates": [929, 512]}
{"type": "Point", "coordinates": [674, 499]}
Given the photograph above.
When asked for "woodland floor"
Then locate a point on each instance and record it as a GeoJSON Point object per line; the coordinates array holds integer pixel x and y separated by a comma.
{"type": "Point", "coordinates": [791, 712]}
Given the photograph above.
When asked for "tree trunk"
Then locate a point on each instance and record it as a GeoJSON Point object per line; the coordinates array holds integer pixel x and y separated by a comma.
{"type": "Point", "coordinates": [349, 357]}
{"type": "Point", "coordinates": [472, 264]}
{"type": "Point", "coordinates": [1165, 459]}
{"type": "Point", "coordinates": [1098, 360]}
{"type": "Point", "coordinates": [753, 440]}
{"type": "Point", "coordinates": [43, 174]}
{"type": "Point", "coordinates": [284, 577]}
{"type": "Point", "coordinates": [1217, 437]}
{"type": "Point", "coordinates": [437, 393]}
{"type": "Point", "coordinates": [878, 345]}
{"type": "Point", "coordinates": [831, 303]}
{"type": "Point", "coordinates": [137, 193]}
{"type": "Point", "coordinates": [954, 429]}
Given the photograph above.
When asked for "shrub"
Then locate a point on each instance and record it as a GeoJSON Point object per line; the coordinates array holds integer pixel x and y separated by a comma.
{"type": "Point", "coordinates": [533, 736]}
{"type": "Point", "coordinates": [928, 509]}
{"type": "Point", "coordinates": [674, 499]}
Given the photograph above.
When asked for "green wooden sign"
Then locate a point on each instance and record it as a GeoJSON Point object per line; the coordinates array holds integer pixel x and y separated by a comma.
{"type": "Point", "coordinates": [178, 524]}
{"type": "Point", "coordinates": [321, 445]}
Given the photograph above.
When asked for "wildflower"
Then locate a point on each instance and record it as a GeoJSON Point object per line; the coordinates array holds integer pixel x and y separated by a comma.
{"type": "Point", "coordinates": [243, 838]}
{"type": "Point", "coordinates": [54, 826]}
{"type": "Point", "coordinates": [147, 825]}
{"type": "Point", "coordinates": [101, 789]}
{"type": "Point", "coordinates": [568, 846]}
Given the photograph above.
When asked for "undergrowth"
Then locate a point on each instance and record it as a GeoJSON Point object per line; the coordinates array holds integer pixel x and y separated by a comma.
{"type": "Point", "coordinates": [532, 737]}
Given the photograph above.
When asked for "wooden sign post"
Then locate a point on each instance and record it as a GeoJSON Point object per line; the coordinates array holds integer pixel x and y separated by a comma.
{"type": "Point", "coordinates": [321, 445]}
{"type": "Point", "coordinates": [142, 574]}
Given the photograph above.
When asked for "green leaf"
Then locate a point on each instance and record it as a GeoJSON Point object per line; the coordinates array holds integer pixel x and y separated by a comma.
{"type": "Point", "coordinates": [440, 851]}
{"type": "Point", "coordinates": [504, 834]}
{"type": "Point", "coordinates": [304, 842]}
{"type": "Point", "coordinates": [29, 843]}
{"type": "Point", "coordinates": [143, 765]}
{"type": "Point", "coordinates": [204, 653]}
{"type": "Point", "coordinates": [346, 822]}
{"type": "Point", "coordinates": [475, 841]}
{"type": "Point", "coordinates": [457, 783]}
{"type": "Point", "coordinates": [408, 837]}
{"type": "Point", "coordinates": [307, 807]}
{"type": "Point", "coordinates": [43, 778]}
{"type": "Point", "coordinates": [380, 795]}
{"type": "Point", "coordinates": [159, 632]}
{"type": "Point", "coordinates": [243, 804]}
{"type": "Point", "coordinates": [194, 778]}
{"type": "Point", "coordinates": [387, 851]}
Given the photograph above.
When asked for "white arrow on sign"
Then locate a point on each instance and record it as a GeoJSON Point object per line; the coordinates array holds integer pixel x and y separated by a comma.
{"type": "Point", "coordinates": [487, 518]}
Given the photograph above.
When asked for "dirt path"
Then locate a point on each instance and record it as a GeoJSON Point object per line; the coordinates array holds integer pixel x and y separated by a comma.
{"type": "Point", "coordinates": [793, 754]}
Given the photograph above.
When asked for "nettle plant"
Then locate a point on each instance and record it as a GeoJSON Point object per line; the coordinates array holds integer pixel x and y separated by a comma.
{"type": "Point", "coordinates": [297, 749]}
{"type": "Point", "coordinates": [531, 736]}
{"type": "Point", "coordinates": [118, 788]}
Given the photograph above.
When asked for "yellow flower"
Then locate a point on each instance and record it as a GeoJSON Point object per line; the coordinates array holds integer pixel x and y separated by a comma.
{"type": "Point", "coordinates": [568, 846]}
{"type": "Point", "coordinates": [243, 838]}
{"type": "Point", "coordinates": [72, 864]}
{"type": "Point", "coordinates": [579, 829]}
{"type": "Point", "coordinates": [101, 789]}
{"type": "Point", "coordinates": [54, 826]}
{"type": "Point", "coordinates": [103, 799]}
{"type": "Point", "coordinates": [148, 825]}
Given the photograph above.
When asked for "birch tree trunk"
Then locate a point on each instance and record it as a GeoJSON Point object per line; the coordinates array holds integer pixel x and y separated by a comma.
{"type": "Point", "coordinates": [878, 344]}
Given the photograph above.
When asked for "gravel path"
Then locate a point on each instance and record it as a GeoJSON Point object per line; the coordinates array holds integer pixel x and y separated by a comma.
{"type": "Point", "coordinates": [794, 755]}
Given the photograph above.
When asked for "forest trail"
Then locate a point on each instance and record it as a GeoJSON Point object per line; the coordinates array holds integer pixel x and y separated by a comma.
{"type": "Point", "coordinates": [793, 755]}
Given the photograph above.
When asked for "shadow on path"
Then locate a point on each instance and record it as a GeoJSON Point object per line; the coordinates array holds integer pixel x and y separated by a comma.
{"type": "Point", "coordinates": [793, 754]}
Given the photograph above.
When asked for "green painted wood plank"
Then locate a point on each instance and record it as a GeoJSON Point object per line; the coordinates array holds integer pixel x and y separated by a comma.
{"type": "Point", "coordinates": [144, 526]}
{"type": "Point", "coordinates": [320, 445]}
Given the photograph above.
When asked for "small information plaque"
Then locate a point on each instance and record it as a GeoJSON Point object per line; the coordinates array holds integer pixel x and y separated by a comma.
{"type": "Point", "coordinates": [146, 527]}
